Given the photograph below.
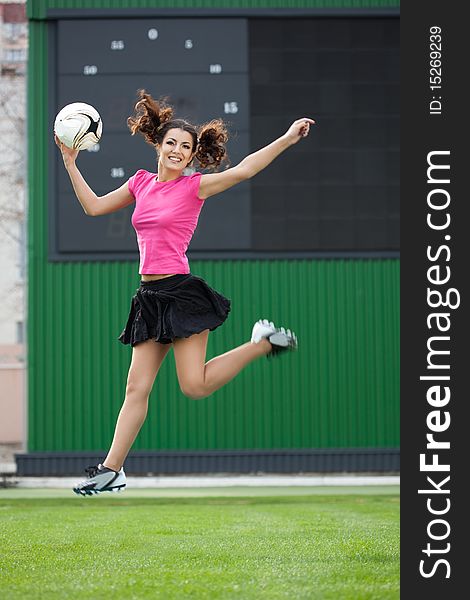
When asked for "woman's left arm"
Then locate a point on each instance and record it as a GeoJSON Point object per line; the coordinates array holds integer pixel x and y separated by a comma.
{"type": "Point", "coordinates": [214, 183]}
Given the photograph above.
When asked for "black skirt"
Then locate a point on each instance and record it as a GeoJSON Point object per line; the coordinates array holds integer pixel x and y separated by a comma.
{"type": "Point", "coordinates": [173, 307]}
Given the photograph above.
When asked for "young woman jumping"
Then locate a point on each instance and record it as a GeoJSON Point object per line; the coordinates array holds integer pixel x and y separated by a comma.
{"type": "Point", "coordinates": [173, 308]}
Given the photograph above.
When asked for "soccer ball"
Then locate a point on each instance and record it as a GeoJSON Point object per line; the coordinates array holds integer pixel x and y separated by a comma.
{"type": "Point", "coordinates": [78, 126]}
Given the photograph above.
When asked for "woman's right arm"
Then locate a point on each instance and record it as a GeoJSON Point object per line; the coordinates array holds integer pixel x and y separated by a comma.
{"type": "Point", "coordinates": [92, 204]}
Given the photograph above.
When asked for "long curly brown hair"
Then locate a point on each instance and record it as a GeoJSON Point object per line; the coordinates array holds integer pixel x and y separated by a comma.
{"type": "Point", "coordinates": [154, 118]}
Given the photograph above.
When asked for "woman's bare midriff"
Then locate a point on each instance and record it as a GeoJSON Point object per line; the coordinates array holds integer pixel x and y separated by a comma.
{"type": "Point", "coordinates": [155, 277]}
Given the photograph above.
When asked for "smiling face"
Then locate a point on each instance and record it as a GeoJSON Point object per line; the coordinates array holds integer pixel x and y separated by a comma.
{"type": "Point", "coordinates": [176, 150]}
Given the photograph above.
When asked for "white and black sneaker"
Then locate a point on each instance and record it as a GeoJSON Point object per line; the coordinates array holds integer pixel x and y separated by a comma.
{"type": "Point", "coordinates": [101, 479]}
{"type": "Point", "coordinates": [279, 338]}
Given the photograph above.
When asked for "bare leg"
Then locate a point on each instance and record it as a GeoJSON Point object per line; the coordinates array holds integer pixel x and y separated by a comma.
{"type": "Point", "coordinates": [147, 358]}
{"type": "Point", "coordinates": [199, 378]}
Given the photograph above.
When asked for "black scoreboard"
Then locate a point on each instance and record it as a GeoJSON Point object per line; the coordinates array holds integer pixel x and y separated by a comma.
{"type": "Point", "coordinates": [336, 191]}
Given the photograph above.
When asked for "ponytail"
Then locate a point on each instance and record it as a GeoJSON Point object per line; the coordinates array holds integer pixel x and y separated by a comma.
{"type": "Point", "coordinates": [150, 115]}
{"type": "Point", "coordinates": [211, 150]}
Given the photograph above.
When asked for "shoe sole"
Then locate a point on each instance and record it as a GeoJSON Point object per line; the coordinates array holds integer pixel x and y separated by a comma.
{"type": "Point", "coordinates": [280, 339]}
{"type": "Point", "coordinates": [95, 492]}
{"type": "Point", "coordinates": [281, 342]}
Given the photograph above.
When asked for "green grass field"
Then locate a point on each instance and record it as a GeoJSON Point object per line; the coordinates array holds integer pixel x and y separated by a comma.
{"type": "Point", "coordinates": [295, 543]}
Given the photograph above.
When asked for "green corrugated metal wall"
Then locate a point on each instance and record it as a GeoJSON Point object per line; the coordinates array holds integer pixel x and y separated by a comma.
{"type": "Point", "coordinates": [340, 390]}
{"type": "Point", "coordinates": [37, 8]}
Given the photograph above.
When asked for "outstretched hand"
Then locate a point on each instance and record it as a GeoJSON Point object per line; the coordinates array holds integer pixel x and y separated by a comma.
{"type": "Point", "coordinates": [69, 155]}
{"type": "Point", "coordinates": [299, 129]}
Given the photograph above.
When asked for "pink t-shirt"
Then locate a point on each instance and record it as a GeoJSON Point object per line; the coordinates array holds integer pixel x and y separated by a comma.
{"type": "Point", "coordinates": [164, 218]}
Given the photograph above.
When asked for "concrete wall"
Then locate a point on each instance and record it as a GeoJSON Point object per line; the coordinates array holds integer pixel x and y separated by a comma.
{"type": "Point", "coordinates": [12, 394]}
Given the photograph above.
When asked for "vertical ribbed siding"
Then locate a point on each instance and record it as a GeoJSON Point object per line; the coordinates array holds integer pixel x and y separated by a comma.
{"type": "Point", "coordinates": [37, 198]}
{"type": "Point", "coordinates": [340, 390]}
{"type": "Point", "coordinates": [37, 9]}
